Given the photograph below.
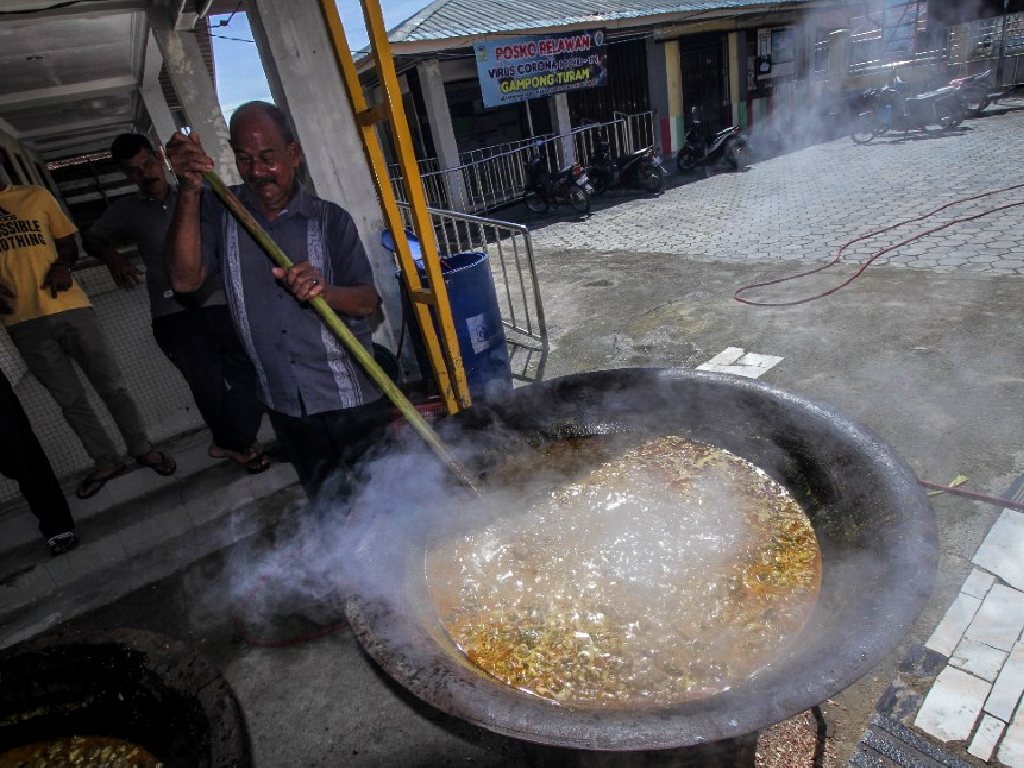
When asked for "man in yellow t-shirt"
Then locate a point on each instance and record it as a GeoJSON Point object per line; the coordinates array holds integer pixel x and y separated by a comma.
{"type": "Point", "coordinates": [51, 322]}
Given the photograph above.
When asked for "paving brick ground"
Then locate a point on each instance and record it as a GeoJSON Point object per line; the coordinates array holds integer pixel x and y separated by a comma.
{"type": "Point", "coordinates": [802, 205]}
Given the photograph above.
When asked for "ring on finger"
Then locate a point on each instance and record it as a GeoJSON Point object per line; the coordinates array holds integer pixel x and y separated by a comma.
{"type": "Point", "coordinates": [315, 282]}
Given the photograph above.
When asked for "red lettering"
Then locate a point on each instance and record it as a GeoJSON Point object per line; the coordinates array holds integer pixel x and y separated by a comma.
{"type": "Point", "coordinates": [516, 51]}
{"type": "Point", "coordinates": [553, 46]}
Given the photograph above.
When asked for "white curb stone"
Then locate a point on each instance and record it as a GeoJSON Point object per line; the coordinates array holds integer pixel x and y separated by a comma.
{"type": "Point", "coordinates": [1000, 553]}
{"type": "Point", "coordinates": [978, 659]}
{"type": "Point", "coordinates": [1008, 687]}
{"type": "Point", "coordinates": [1011, 751]}
{"type": "Point", "coordinates": [952, 705]}
{"type": "Point", "coordinates": [985, 740]}
{"type": "Point", "coordinates": [951, 629]}
{"type": "Point", "coordinates": [1000, 619]}
{"type": "Point", "coordinates": [978, 583]}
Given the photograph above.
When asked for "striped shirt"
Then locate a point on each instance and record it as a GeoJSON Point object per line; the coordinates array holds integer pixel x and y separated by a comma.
{"type": "Point", "coordinates": [303, 368]}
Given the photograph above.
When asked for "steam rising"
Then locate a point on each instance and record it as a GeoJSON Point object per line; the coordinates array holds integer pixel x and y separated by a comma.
{"type": "Point", "coordinates": [665, 570]}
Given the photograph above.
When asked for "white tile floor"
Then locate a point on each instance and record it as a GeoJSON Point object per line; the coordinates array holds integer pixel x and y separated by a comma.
{"type": "Point", "coordinates": [977, 697]}
{"type": "Point", "coordinates": [1002, 552]}
{"type": "Point", "coordinates": [984, 742]}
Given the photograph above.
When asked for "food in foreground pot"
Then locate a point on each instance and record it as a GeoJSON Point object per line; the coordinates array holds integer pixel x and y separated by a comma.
{"type": "Point", "coordinates": [660, 570]}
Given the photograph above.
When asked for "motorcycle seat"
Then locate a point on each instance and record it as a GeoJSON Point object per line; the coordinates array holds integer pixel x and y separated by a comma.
{"type": "Point", "coordinates": [931, 94]}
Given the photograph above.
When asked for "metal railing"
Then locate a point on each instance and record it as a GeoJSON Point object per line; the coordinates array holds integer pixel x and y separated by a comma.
{"type": "Point", "coordinates": [983, 39]}
{"type": "Point", "coordinates": [510, 251]}
{"type": "Point", "coordinates": [437, 193]}
{"type": "Point", "coordinates": [988, 40]}
{"type": "Point", "coordinates": [872, 52]}
{"type": "Point", "coordinates": [494, 176]}
{"type": "Point", "coordinates": [625, 133]}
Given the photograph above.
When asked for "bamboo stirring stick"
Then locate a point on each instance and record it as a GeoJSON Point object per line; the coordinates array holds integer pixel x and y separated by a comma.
{"type": "Point", "coordinates": [331, 319]}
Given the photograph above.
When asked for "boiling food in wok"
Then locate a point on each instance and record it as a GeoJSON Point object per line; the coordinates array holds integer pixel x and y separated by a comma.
{"type": "Point", "coordinates": [81, 751]}
{"type": "Point", "coordinates": [667, 570]}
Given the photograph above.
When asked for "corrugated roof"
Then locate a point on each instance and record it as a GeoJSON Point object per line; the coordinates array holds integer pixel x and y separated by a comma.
{"type": "Point", "coordinates": [445, 19]}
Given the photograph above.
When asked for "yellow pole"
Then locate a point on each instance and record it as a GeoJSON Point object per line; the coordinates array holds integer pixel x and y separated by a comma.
{"type": "Point", "coordinates": [447, 363]}
{"type": "Point", "coordinates": [355, 348]}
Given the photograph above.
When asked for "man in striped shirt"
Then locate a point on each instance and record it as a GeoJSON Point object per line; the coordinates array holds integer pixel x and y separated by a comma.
{"type": "Point", "coordinates": [325, 409]}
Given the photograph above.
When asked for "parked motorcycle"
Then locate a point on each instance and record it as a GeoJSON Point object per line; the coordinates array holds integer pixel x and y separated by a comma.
{"type": "Point", "coordinates": [545, 190]}
{"type": "Point", "coordinates": [976, 91]}
{"type": "Point", "coordinates": [728, 144]}
{"type": "Point", "coordinates": [890, 108]}
{"type": "Point", "coordinates": [641, 169]}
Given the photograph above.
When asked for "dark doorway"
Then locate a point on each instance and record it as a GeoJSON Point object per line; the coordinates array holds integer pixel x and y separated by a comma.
{"type": "Point", "coordinates": [705, 68]}
{"type": "Point", "coordinates": [626, 90]}
{"type": "Point", "coordinates": [477, 126]}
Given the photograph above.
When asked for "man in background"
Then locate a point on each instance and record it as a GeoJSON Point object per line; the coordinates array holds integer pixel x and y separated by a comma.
{"type": "Point", "coordinates": [22, 459]}
{"type": "Point", "coordinates": [52, 323]}
{"type": "Point", "coordinates": [194, 331]}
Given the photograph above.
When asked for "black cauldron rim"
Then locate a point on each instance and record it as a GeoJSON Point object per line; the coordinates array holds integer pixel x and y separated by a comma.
{"type": "Point", "coordinates": [872, 613]}
{"type": "Point", "coordinates": [141, 686]}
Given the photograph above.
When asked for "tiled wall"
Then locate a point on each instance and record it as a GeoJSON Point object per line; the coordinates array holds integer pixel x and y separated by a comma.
{"type": "Point", "coordinates": [159, 390]}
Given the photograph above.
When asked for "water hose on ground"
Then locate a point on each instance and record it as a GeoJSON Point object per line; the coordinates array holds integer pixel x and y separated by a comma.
{"type": "Point", "coordinates": [993, 500]}
{"type": "Point", "coordinates": [867, 263]}
{"type": "Point", "coordinates": [332, 321]}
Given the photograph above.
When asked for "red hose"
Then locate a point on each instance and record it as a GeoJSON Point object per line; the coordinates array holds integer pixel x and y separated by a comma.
{"type": "Point", "coordinates": [876, 254]}
{"type": "Point", "coordinates": [976, 496]}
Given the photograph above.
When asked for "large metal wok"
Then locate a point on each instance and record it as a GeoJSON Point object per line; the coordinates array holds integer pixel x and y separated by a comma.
{"type": "Point", "coordinates": [875, 528]}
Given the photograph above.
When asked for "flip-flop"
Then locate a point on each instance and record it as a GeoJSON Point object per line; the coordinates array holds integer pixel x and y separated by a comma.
{"type": "Point", "coordinates": [94, 482]}
{"type": "Point", "coordinates": [254, 460]}
{"type": "Point", "coordinates": [257, 464]}
{"type": "Point", "coordinates": [164, 466]}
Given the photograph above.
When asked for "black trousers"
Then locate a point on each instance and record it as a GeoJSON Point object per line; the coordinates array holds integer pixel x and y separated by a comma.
{"type": "Point", "coordinates": [202, 344]}
{"type": "Point", "coordinates": [324, 447]}
{"type": "Point", "coordinates": [22, 459]}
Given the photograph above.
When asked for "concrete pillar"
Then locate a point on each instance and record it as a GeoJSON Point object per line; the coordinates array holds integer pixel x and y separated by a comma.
{"type": "Point", "coordinates": [194, 86]}
{"type": "Point", "coordinates": [561, 123]}
{"type": "Point", "coordinates": [305, 82]}
{"type": "Point", "coordinates": [657, 95]}
{"type": "Point", "coordinates": [440, 120]}
{"type": "Point", "coordinates": [735, 96]}
{"type": "Point", "coordinates": [838, 58]}
{"type": "Point", "coordinates": [153, 95]}
{"type": "Point", "coordinates": [676, 115]}
{"type": "Point", "coordinates": [807, 44]}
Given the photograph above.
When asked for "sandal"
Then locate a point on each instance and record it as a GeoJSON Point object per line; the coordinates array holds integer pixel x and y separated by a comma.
{"type": "Point", "coordinates": [254, 460]}
{"type": "Point", "coordinates": [164, 465]}
{"type": "Point", "coordinates": [258, 463]}
{"type": "Point", "coordinates": [95, 480]}
{"type": "Point", "coordinates": [62, 543]}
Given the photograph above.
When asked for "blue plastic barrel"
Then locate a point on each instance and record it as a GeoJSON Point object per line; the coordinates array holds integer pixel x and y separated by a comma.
{"type": "Point", "coordinates": [477, 319]}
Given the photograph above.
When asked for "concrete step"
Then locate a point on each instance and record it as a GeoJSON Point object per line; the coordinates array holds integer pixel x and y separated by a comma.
{"type": "Point", "coordinates": [140, 528]}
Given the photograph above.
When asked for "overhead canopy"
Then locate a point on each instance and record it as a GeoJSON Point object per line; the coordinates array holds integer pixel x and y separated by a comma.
{"type": "Point", "coordinates": [73, 72]}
